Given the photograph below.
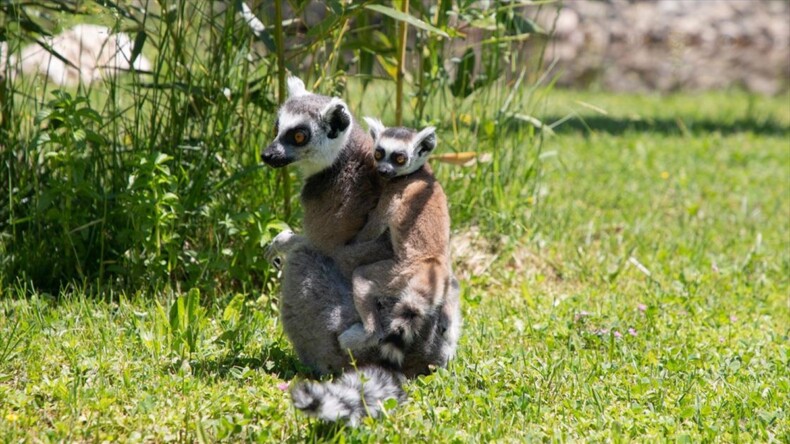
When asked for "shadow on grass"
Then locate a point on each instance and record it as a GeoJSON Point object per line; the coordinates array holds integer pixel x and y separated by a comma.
{"type": "Point", "coordinates": [320, 431]}
{"type": "Point", "coordinates": [272, 359]}
{"type": "Point", "coordinates": [679, 125]}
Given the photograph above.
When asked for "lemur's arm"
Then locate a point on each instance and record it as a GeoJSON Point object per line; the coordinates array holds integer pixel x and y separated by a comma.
{"type": "Point", "coordinates": [350, 257]}
{"type": "Point", "coordinates": [281, 245]}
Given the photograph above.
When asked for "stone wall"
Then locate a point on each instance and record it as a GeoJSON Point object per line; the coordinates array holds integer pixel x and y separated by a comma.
{"type": "Point", "coordinates": [666, 45]}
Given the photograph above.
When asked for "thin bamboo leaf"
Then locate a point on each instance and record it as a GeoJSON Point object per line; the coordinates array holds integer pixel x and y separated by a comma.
{"type": "Point", "coordinates": [400, 16]}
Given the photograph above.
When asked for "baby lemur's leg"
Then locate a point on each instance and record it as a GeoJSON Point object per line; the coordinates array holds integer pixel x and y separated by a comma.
{"type": "Point", "coordinates": [375, 226]}
{"type": "Point", "coordinates": [371, 244]}
{"type": "Point", "coordinates": [350, 257]}
{"type": "Point", "coordinates": [369, 283]}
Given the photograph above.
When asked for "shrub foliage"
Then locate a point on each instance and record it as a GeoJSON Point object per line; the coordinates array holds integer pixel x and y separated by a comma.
{"type": "Point", "coordinates": [154, 178]}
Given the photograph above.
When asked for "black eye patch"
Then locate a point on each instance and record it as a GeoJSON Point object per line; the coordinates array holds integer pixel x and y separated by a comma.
{"type": "Point", "coordinates": [399, 158]}
{"type": "Point", "coordinates": [297, 136]}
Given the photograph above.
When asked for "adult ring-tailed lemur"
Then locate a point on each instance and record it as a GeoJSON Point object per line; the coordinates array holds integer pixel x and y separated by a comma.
{"type": "Point", "coordinates": [334, 154]}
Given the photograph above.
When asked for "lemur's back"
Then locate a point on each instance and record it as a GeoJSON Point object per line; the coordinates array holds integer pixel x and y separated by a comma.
{"type": "Point", "coordinates": [419, 219]}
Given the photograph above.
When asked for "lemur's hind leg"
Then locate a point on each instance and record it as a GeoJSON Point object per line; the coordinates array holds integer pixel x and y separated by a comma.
{"type": "Point", "coordinates": [370, 283]}
{"type": "Point", "coordinates": [316, 305]}
{"type": "Point", "coordinates": [356, 254]}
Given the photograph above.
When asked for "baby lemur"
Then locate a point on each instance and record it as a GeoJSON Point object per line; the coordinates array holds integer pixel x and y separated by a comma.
{"type": "Point", "coordinates": [413, 209]}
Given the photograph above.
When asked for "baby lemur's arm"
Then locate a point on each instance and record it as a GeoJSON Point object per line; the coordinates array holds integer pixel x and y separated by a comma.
{"type": "Point", "coordinates": [371, 244]}
{"type": "Point", "coordinates": [377, 222]}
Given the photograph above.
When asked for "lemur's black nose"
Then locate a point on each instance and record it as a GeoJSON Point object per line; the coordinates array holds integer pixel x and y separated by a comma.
{"type": "Point", "coordinates": [275, 156]}
{"type": "Point", "coordinates": [267, 156]}
{"type": "Point", "coordinates": [386, 171]}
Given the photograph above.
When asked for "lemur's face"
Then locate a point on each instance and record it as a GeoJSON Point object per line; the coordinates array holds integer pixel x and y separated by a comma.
{"type": "Point", "coordinates": [310, 131]}
{"type": "Point", "coordinates": [400, 151]}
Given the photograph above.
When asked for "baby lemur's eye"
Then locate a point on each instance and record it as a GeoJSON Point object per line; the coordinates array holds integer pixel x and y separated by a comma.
{"type": "Point", "coordinates": [378, 154]}
{"type": "Point", "coordinates": [299, 137]}
{"type": "Point", "coordinates": [399, 158]}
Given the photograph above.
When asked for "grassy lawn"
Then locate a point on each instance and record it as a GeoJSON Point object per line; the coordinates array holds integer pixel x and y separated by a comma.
{"type": "Point", "coordinates": [646, 298]}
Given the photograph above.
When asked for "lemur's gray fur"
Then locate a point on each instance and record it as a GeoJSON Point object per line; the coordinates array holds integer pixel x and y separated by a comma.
{"type": "Point", "coordinates": [319, 135]}
{"type": "Point", "coordinates": [351, 396]}
{"type": "Point", "coordinates": [323, 303]}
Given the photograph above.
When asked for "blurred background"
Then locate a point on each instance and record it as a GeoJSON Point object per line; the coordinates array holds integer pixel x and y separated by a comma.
{"type": "Point", "coordinates": [130, 131]}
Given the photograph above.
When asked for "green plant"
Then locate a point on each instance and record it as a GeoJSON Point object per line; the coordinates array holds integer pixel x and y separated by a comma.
{"type": "Point", "coordinates": [186, 317]}
{"type": "Point", "coordinates": [65, 200]}
{"type": "Point", "coordinates": [154, 179]}
{"type": "Point", "coordinates": [150, 195]}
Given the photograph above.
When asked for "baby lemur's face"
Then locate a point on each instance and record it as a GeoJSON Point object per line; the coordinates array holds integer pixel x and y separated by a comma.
{"type": "Point", "coordinates": [400, 151]}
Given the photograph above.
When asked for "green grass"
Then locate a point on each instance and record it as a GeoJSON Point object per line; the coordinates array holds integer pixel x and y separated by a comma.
{"type": "Point", "coordinates": [643, 297]}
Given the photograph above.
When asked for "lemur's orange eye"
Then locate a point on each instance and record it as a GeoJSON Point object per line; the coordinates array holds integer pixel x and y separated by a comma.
{"type": "Point", "coordinates": [378, 154]}
{"type": "Point", "coordinates": [299, 137]}
{"type": "Point", "coordinates": [400, 159]}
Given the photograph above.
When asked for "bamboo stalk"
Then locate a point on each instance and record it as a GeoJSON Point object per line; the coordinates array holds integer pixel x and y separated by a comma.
{"type": "Point", "coordinates": [401, 67]}
{"type": "Point", "coordinates": [280, 43]}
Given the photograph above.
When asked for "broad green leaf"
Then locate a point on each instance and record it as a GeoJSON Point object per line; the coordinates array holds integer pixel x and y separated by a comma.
{"type": "Point", "coordinates": [90, 114]}
{"type": "Point", "coordinates": [232, 312]}
{"type": "Point", "coordinates": [176, 311]}
{"type": "Point", "coordinates": [388, 65]}
{"type": "Point", "coordinates": [42, 115]}
{"type": "Point", "coordinates": [161, 158]}
{"type": "Point", "coordinates": [193, 304]}
{"type": "Point", "coordinates": [79, 135]}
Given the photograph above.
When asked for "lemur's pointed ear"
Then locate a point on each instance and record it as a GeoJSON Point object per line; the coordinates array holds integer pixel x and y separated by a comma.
{"type": "Point", "coordinates": [375, 127]}
{"type": "Point", "coordinates": [337, 116]}
{"type": "Point", "coordinates": [296, 87]}
{"type": "Point", "coordinates": [425, 141]}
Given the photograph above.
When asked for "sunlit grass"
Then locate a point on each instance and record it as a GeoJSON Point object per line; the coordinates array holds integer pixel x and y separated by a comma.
{"type": "Point", "coordinates": [644, 296]}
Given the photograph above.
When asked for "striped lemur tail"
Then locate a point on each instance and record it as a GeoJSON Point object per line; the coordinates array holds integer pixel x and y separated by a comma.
{"type": "Point", "coordinates": [359, 393]}
{"type": "Point", "coordinates": [356, 394]}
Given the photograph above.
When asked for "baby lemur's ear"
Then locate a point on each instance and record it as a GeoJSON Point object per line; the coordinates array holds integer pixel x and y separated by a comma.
{"type": "Point", "coordinates": [425, 141]}
{"type": "Point", "coordinates": [375, 127]}
{"type": "Point", "coordinates": [337, 116]}
{"type": "Point", "coordinates": [296, 87]}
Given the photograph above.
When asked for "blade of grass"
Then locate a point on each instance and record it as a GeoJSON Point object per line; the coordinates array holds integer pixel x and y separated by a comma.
{"type": "Point", "coordinates": [401, 64]}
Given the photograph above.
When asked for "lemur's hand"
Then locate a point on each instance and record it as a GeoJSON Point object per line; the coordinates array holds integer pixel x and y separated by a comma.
{"type": "Point", "coordinates": [354, 338]}
{"type": "Point", "coordinates": [281, 245]}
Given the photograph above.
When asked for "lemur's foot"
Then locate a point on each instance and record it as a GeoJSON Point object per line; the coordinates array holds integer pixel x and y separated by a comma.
{"type": "Point", "coordinates": [279, 247]}
{"type": "Point", "coordinates": [354, 338]}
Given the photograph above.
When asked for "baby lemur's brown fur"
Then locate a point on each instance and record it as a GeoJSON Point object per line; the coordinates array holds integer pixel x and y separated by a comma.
{"type": "Point", "coordinates": [413, 209]}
